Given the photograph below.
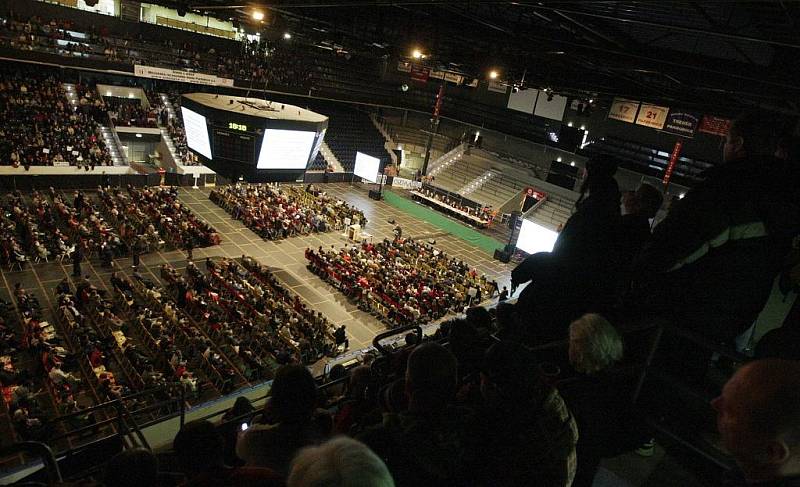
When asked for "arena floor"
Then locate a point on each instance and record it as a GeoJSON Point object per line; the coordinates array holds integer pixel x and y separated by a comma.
{"type": "Point", "coordinates": [285, 258]}
{"type": "Point", "coordinates": [287, 261]}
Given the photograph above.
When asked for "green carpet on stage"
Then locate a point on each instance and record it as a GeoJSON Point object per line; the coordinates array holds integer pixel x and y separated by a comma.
{"type": "Point", "coordinates": [439, 220]}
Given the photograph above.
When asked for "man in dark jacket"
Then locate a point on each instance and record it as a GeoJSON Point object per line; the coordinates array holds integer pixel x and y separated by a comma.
{"type": "Point", "coordinates": [581, 274]}
{"type": "Point", "coordinates": [711, 262]}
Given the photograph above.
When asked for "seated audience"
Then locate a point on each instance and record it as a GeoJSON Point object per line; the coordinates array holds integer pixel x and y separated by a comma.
{"type": "Point", "coordinates": [132, 468]}
{"type": "Point", "coordinates": [525, 423]}
{"type": "Point", "coordinates": [286, 425]}
{"type": "Point", "coordinates": [402, 281]}
{"type": "Point", "coordinates": [198, 448]}
{"type": "Point", "coordinates": [277, 212]}
{"type": "Point", "coordinates": [432, 441]}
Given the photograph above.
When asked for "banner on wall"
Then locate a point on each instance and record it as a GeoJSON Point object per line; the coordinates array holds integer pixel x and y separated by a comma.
{"type": "Point", "coordinates": [710, 124]}
{"type": "Point", "coordinates": [180, 76]}
{"type": "Point", "coordinates": [497, 86]}
{"type": "Point", "coordinates": [420, 73]}
{"type": "Point", "coordinates": [623, 110]}
{"type": "Point", "coordinates": [673, 161]}
{"type": "Point", "coordinates": [406, 183]}
{"type": "Point", "coordinates": [551, 106]}
{"type": "Point", "coordinates": [682, 123]}
{"type": "Point", "coordinates": [652, 116]}
{"type": "Point", "coordinates": [447, 76]}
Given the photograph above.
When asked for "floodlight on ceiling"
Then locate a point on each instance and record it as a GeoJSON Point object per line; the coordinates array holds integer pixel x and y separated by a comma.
{"type": "Point", "coordinates": [416, 54]}
{"type": "Point", "coordinates": [258, 15]}
{"type": "Point", "coordinates": [493, 74]}
{"type": "Point", "coordinates": [287, 36]}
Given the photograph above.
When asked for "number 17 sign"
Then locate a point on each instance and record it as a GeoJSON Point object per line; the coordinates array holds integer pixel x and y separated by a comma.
{"type": "Point", "coordinates": [623, 110]}
{"type": "Point", "coordinates": [652, 116]}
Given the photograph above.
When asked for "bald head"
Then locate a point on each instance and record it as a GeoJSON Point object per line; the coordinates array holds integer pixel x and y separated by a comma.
{"type": "Point", "coordinates": [759, 417]}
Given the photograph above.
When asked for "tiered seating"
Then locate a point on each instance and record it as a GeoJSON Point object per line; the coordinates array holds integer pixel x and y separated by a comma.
{"type": "Point", "coordinates": [40, 126]}
{"type": "Point", "coordinates": [129, 112]}
{"type": "Point", "coordinates": [403, 282]}
{"type": "Point", "coordinates": [277, 212]}
{"type": "Point", "coordinates": [350, 131]}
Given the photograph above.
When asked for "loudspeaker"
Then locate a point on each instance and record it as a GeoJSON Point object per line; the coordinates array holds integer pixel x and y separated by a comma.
{"type": "Point", "coordinates": [375, 195]}
{"type": "Point", "coordinates": [502, 256]}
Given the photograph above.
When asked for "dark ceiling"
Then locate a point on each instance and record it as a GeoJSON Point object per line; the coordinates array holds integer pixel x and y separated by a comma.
{"type": "Point", "coordinates": [716, 55]}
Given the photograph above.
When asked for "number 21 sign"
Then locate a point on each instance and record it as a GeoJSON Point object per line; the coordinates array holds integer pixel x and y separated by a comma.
{"type": "Point", "coordinates": [652, 116]}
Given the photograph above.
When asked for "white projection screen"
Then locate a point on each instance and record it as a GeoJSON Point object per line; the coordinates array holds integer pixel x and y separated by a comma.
{"type": "Point", "coordinates": [196, 132]}
{"type": "Point", "coordinates": [367, 167]}
{"type": "Point", "coordinates": [523, 100]}
{"type": "Point", "coordinates": [535, 238]}
{"type": "Point", "coordinates": [553, 109]}
{"type": "Point", "coordinates": [285, 149]}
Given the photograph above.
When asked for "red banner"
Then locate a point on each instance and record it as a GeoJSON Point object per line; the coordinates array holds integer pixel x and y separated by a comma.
{"type": "Point", "coordinates": [714, 125]}
{"type": "Point", "coordinates": [438, 107]}
{"type": "Point", "coordinates": [673, 161]}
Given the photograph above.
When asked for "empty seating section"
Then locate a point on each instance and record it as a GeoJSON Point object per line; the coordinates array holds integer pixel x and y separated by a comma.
{"type": "Point", "coordinates": [648, 160]}
{"type": "Point", "coordinates": [553, 212]}
{"type": "Point", "coordinates": [40, 125]}
{"type": "Point", "coordinates": [350, 131]}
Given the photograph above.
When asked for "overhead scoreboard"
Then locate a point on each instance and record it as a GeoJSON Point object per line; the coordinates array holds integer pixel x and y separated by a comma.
{"type": "Point", "coordinates": [256, 139]}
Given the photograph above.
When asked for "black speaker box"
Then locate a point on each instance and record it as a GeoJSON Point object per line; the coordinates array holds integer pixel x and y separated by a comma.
{"type": "Point", "coordinates": [375, 195]}
{"type": "Point", "coordinates": [502, 255]}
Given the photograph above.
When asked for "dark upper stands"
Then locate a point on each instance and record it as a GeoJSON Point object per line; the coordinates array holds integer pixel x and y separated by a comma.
{"type": "Point", "coordinates": [349, 131]}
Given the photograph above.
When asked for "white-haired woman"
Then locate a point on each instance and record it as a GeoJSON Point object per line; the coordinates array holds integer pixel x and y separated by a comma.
{"type": "Point", "coordinates": [599, 396]}
{"type": "Point", "coordinates": [340, 462]}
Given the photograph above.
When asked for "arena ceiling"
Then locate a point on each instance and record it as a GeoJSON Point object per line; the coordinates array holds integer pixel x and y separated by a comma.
{"type": "Point", "coordinates": [712, 54]}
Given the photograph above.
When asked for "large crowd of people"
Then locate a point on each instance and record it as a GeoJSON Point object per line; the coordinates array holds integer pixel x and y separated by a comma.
{"type": "Point", "coordinates": [265, 63]}
{"type": "Point", "coordinates": [276, 212]}
{"type": "Point", "coordinates": [402, 281]}
{"type": "Point", "coordinates": [40, 125]}
{"type": "Point", "coordinates": [129, 112]}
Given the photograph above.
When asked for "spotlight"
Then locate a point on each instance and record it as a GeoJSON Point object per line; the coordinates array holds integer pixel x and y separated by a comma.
{"type": "Point", "coordinates": [258, 15]}
{"type": "Point", "coordinates": [404, 87]}
{"type": "Point", "coordinates": [139, 136]}
{"type": "Point", "coordinates": [493, 74]}
{"type": "Point", "coordinates": [416, 54]}
{"type": "Point", "coordinates": [287, 36]}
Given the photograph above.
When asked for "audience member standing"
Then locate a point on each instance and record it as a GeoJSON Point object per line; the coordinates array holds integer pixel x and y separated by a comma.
{"type": "Point", "coordinates": [77, 258]}
{"type": "Point", "coordinates": [582, 272]}
{"type": "Point", "coordinates": [711, 263]}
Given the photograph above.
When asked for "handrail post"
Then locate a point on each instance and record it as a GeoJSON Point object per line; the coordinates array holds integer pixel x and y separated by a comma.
{"type": "Point", "coordinates": [183, 406]}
